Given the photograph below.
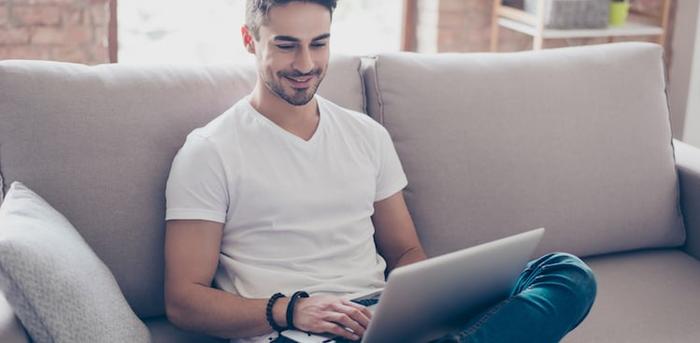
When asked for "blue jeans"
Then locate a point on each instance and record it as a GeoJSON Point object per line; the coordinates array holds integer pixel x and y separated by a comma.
{"type": "Point", "coordinates": [551, 297]}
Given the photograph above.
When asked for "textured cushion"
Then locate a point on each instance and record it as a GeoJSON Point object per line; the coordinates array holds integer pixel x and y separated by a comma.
{"type": "Point", "coordinates": [643, 297]}
{"type": "Point", "coordinates": [576, 140]}
{"type": "Point", "coordinates": [58, 287]}
{"type": "Point", "coordinates": [98, 142]}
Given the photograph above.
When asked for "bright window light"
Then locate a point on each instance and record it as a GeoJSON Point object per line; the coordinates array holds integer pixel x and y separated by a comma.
{"type": "Point", "coordinates": [186, 32]}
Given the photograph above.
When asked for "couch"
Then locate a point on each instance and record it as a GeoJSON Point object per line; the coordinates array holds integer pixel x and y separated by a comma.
{"type": "Point", "coordinates": [576, 140]}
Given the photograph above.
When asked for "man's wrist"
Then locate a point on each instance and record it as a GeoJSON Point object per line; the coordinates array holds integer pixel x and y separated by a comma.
{"type": "Point", "coordinates": [279, 311]}
{"type": "Point", "coordinates": [290, 307]}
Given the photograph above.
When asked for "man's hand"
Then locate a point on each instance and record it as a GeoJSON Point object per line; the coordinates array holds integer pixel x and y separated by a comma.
{"type": "Point", "coordinates": [331, 314]}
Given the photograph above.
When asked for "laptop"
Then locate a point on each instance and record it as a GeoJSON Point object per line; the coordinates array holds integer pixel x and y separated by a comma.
{"type": "Point", "coordinates": [425, 300]}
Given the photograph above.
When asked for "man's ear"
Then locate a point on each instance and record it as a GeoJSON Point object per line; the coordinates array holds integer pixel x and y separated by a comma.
{"type": "Point", "coordinates": [248, 40]}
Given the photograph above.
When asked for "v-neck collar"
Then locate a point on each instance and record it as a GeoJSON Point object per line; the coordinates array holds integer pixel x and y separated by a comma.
{"type": "Point", "coordinates": [292, 138]}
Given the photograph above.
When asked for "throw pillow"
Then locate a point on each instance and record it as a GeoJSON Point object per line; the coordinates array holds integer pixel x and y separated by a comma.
{"type": "Point", "coordinates": [58, 287]}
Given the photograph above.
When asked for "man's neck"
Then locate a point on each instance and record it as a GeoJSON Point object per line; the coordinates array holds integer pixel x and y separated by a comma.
{"type": "Point", "coordinates": [287, 116]}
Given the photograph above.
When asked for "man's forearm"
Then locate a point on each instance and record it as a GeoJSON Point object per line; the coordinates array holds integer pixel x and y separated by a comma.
{"type": "Point", "coordinates": [222, 314]}
{"type": "Point", "coordinates": [412, 255]}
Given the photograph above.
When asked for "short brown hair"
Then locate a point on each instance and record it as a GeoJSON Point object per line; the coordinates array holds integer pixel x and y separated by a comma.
{"type": "Point", "coordinates": [257, 11]}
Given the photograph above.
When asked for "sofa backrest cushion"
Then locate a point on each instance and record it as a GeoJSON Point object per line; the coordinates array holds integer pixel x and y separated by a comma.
{"type": "Point", "coordinates": [98, 142]}
{"type": "Point", "coordinates": [576, 140]}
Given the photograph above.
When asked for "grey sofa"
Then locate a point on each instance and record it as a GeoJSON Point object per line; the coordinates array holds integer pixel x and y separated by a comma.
{"type": "Point", "coordinates": [576, 140]}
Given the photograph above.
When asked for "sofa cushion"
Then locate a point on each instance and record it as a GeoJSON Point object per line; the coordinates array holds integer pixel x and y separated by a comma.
{"type": "Point", "coordinates": [162, 331]}
{"type": "Point", "coordinates": [60, 290]}
{"type": "Point", "coordinates": [576, 140]}
{"type": "Point", "coordinates": [11, 330]}
{"type": "Point", "coordinates": [646, 296]}
{"type": "Point", "coordinates": [98, 142]}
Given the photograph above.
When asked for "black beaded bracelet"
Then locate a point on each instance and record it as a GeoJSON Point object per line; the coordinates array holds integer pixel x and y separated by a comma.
{"type": "Point", "coordinates": [268, 312]}
{"type": "Point", "coordinates": [290, 307]}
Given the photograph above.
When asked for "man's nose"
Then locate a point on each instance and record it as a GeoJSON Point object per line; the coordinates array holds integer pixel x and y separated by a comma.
{"type": "Point", "coordinates": [303, 61]}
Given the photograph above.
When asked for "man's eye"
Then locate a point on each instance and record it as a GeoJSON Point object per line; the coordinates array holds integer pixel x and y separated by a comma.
{"type": "Point", "coordinates": [318, 45]}
{"type": "Point", "coordinates": [286, 47]}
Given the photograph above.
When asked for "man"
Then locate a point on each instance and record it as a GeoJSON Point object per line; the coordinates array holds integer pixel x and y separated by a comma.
{"type": "Point", "coordinates": [287, 191]}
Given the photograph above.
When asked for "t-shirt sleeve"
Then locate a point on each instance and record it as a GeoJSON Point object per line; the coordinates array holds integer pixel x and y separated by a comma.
{"type": "Point", "coordinates": [197, 187]}
{"type": "Point", "coordinates": [390, 176]}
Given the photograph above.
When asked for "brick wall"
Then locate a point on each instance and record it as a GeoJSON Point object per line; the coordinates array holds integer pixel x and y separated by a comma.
{"type": "Point", "coordinates": [61, 30]}
{"type": "Point", "coordinates": [464, 25]}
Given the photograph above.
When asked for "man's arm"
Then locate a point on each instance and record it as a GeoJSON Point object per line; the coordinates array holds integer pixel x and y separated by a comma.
{"type": "Point", "coordinates": [395, 234]}
{"type": "Point", "coordinates": [191, 258]}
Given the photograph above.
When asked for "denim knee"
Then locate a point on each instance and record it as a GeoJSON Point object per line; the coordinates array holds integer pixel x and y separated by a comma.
{"type": "Point", "coordinates": [582, 280]}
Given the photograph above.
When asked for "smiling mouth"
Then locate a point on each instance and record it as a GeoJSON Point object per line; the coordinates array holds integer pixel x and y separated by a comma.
{"type": "Point", "coordinates": [300, 82]}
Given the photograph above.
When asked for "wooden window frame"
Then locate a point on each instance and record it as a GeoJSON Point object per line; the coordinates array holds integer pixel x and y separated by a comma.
{"type": "Point", "coordinates": [113, 42]}
{"type": "Point", "coordinates": [408, 32]}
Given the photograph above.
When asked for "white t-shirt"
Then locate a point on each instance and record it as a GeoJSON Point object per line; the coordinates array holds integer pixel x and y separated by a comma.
{"type": "Point", "coordinates": [296, 213]}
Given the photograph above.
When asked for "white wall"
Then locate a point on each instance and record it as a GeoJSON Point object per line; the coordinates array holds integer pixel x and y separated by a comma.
{"type": "Point", "coordinates": [684, 87]}
{"type": "Point", "coordinates": [427, 26]}
{"type": "Point", "coordinates": [692, 122]}
{"type": "Point", "coordinates": [682, 63]}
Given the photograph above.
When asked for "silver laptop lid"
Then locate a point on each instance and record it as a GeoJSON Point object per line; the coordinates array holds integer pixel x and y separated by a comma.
{"type": "Point", "coordinates": [422, 301]}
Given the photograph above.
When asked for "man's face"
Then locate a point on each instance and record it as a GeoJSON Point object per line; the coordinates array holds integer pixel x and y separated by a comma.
{"type": "Point", "coordinates": [293, 50]}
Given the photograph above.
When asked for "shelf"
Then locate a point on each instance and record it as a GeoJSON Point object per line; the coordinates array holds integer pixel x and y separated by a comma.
{"type": "Point", "coordinates": [532, 24]}
{"type": "Point", "coordinates": [629, 29]}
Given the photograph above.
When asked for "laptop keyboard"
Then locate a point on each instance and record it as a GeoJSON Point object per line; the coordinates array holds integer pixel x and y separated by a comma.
{"type": "Point", "coordinates": [366, 302]}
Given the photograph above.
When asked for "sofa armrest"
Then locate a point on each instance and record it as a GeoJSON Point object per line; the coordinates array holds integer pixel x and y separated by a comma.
{"type": "Point", "coordinates": [688, 166]}
{"type": "Point", "coordinates": [11, 330]}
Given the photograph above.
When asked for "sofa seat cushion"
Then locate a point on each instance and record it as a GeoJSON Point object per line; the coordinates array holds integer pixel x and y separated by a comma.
{"type": "Point", "coordinates": [162, 331]}
{"type": "Point", "coordinates": [645, 296]}
{"type": "Point", "coordinates": [11, 330]}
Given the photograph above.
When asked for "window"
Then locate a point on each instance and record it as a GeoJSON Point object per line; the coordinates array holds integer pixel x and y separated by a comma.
{"type": "Point", "coordinates": [166, 31]}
